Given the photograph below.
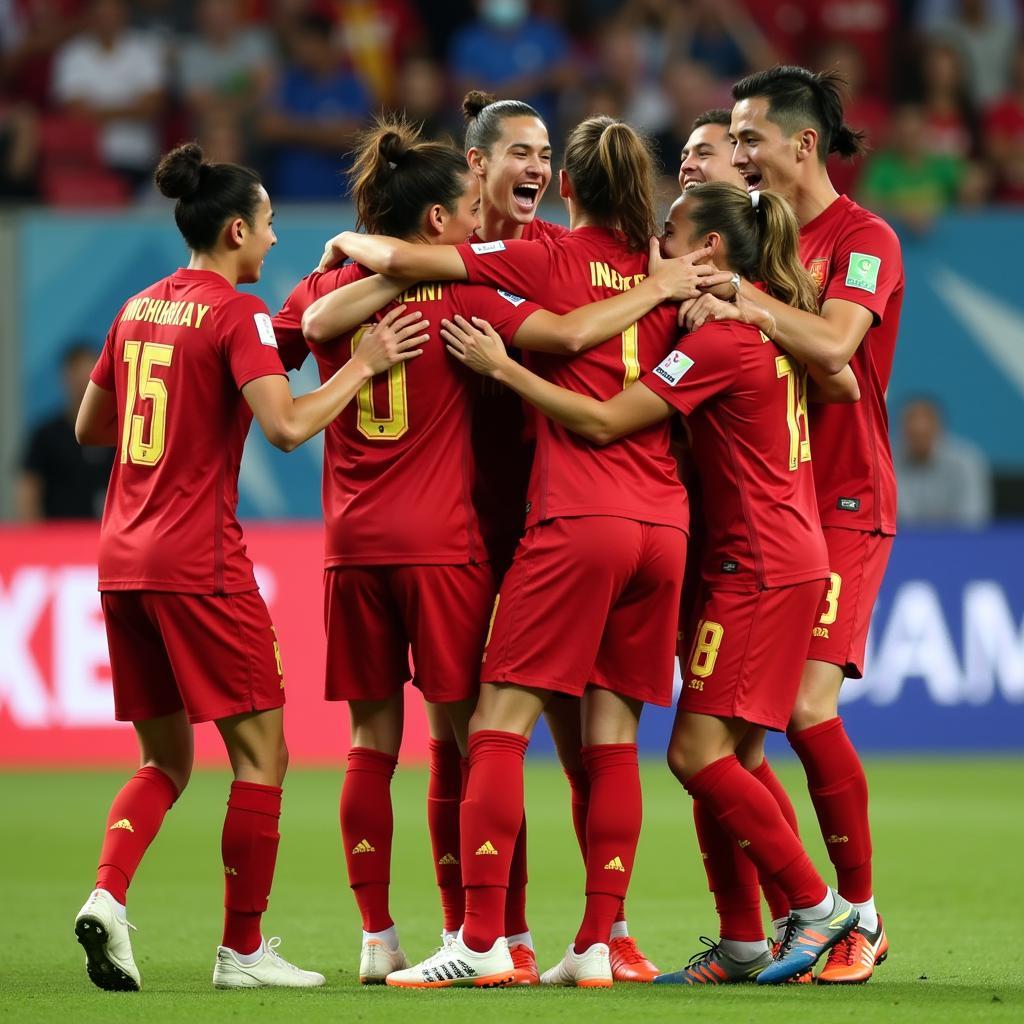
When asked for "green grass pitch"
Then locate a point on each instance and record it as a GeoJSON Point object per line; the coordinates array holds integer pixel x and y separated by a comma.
{"type": "Point", "coordinates": [948, 841]}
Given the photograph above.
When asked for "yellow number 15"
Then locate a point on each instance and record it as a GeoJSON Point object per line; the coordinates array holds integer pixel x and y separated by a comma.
{"type": "Point", "coordinates": [141, 357]}
{"type": "Point", "coordinates": [796, 410]}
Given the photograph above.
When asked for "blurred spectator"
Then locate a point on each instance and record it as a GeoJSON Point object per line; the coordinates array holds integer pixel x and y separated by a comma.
{"type": "Point", "coordinates": [908, 181]}
{"type": "Point", "coordinates": [721, 35]}
{"type": "Point", "coordinates": [869, 26]}
{"type": "Point", "coordinates": [1004, 135]}
{"type": "Point", "coordinates": [378, 36]}
{"type": "Point", "coordinates": [30, 33]}
{"type": "Point", "coordinates": [19, 150]}
{"type": "Point", "coordinates": [229, 65]}
{"type": "Point", "coordinates": [508, 52]}
{"type": "Point", "coordinates": [786, 25]}
{"type": "Point", "coordinates": [59, 478]}
{"type": "Point", "coordinates": [953, 124]}
{"type": "Point", "coordinates": [942, 480]}
{"type": "Point", "coordinates": [421, 94]}
{"type": "Point", "coordinates": [319, 108]}
{"type": "Point", "coordinates": [691, 89]}
{"type": "Point", "coordinates": [862, 110]}
{"type": "Point", "coordinates": [116, 76]}
{"type": "Point", "coordinates": [983, 32]}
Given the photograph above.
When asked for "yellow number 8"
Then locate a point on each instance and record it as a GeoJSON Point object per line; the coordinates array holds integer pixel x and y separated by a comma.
{"type": "Point", "coordinates": [705, 648]}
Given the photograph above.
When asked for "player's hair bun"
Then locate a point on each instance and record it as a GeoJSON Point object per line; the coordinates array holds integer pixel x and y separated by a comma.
{"type": "Point", "coordinates": [474, 102]}
{"type": "Point", "coordinates": [393, 146]}
{"type": "Point", "coordinates": [179, 173]}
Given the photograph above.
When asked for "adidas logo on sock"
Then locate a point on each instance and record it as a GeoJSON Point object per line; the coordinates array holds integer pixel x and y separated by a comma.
{"type": "Point", "coordinates": [363, 846]}
{"type": "Point", "coordinates": [450, 859]}
{"type": "Point", "coordinates": [123, 823]}
{"type": "Point", "coordinates": [834, 839]}
{"type": "Point", "coordinates": [487, 850]}
{"type": "Point", "coordinates": [744, 843]}
{"type": "Point", "coordinates": [230, 871]}
{"type": "Point", "coordinates": [615, 864]}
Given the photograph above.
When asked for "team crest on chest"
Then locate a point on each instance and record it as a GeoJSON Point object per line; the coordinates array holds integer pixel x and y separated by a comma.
{"type": "Point", "coordinates": [818, 269]}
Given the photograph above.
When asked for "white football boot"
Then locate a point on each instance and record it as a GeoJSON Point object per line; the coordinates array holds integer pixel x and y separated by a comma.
{"type": "Point", "coordinates": [590, 969]}
{"type": "Point", "coordinates": [107, 944]}
{"type": "Point", "coordinates": [270, 971]}
{"type": "Point", "coordinates": [376, 962]}
{"type": "Point", "coordinates": [455, 965]}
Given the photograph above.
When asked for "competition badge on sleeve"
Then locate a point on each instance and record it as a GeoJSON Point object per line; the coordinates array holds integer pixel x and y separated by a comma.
{"type": "Point", "coordinates": [673, 367]}
{"type": "Point", "coordinates": [863, 272]}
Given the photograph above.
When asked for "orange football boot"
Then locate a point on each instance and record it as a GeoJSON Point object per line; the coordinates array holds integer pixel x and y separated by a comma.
{"type": "Point", "coordinates": [628, 963]}
{"type": "Point", "coordinates": [525, 962]}
{"type": "Point", "coordinates": [852, 961]}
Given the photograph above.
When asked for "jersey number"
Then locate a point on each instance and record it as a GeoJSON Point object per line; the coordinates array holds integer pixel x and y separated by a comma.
{"type": "Point", "coordinates": [835, 584]}
{"type": "Point", "coordinates": [705, 648]}
{"type": "Point", "coordinates": [393, 425]}
{"type": "Point", "coordinates": [141, 357]}
{"type": "Point", "coordinates": [796, 411]}
{"type": "Point", "coordinates": [631, 354]}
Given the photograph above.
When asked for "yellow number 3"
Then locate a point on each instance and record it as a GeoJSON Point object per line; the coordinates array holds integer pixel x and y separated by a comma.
{"type": "Point", "coordinates": [141, 358]}
{"type": "Point", "coordinates": [835, 584]}
{"type": "Point", "coordinates": [705, 648]}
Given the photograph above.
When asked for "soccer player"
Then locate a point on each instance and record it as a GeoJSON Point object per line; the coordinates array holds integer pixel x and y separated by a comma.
{"type": "Point", "coordinates": [393, 580]}
{"type": "Point", "coordinates": [785, 123]}
{"type": "Point", "coordinates": [186, 364]}
{"type": "Point", "coordinates": [601, 560]}
{"type": "Point", "coordinates": [707, 155]}
{"type": "Point", "coordinates": [764, 569]}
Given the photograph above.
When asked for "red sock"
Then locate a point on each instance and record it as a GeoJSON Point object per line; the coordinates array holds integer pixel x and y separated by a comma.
{"type": "Point", "coordinates": [732, 879]}
{"type": "Point", "coordinates": [492, 815]}
{"type": "Point", "coordinates": [613, 831]}
{"type": "Point", "coordinates": [515, 902]}
{"type": "Point", "coordinates": [839, 792]}
{"type": "Point", "coordinates": [778, 904]}
{"type": "Point", "coordinates": [248, 847]}
{"type": "Point", "coordinates": [746, 810]}
{"type": "Point", "coordinates": [367, 826]}
{"type": "Point", "coordinates": [135, 818]}
{"type": "Point", "coordinates": [444, 795]}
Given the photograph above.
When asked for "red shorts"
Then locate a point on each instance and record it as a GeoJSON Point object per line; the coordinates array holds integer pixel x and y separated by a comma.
{"type": "Point", "coordinates": [375, 614]}
{"type": "Point", "coordinates": [593, 599]}
{"type": "Point", "coordinates": [213, 656]}
{"type": "Point", "coordinates": [840, 632]}
{"type": "Point", "coordinates": [748, 653]}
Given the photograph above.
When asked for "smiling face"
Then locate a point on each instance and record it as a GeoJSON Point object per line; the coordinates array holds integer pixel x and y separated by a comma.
{"type": "Point", "coordinates": [707, 156]}
{"type": "Point", "coordinates": [764, 155]}
{"type": "Point", "coordinates": [455, 226]}
{"type": "Point", "coordinates": [679, 236]}
{"type": "Point", "coordinates": [257, 240]}
{"type": "Point", "coordinates": [517, 170]}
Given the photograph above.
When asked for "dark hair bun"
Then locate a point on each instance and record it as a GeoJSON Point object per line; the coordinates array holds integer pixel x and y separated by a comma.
{"type": "Point", "coordinates": [178, 174]}
{"type": "Point", "coordinates": [474, 102]}
{"type": "Point", "coordinates": [393, 147]}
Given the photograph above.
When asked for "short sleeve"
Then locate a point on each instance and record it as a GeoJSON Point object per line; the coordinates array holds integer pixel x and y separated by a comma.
{"type": "Point", "coordinates": [504, 311]}
{"type": "Point", "coordinates": [103, 372]}
{"type": "Point", "coordinates": [517, 266]}
{"type": "Point", "coordinates": [868, 268]}
{"type": "Point", "coordinates": [703, 364]}
{"type": "Point", "coordinates": [287, 324]}
{"type": "Point", "coordinates": [250, 345]}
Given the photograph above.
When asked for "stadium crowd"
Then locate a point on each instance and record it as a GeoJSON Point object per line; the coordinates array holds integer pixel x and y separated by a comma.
{"type": "Point", "coordinates": [91, 91]}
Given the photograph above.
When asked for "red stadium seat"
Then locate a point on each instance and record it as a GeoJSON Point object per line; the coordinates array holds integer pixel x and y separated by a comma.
{"type": "Point", "coordinates": [83, 187]}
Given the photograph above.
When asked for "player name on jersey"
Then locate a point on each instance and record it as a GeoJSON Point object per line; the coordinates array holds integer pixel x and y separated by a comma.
{"type": "Point", "coordinates": [166, 312]}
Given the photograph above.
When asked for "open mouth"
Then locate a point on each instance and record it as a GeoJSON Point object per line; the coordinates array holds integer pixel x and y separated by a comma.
{"type": "Point", "coordinates": [526, 195]}
{"type": "Point", "coordinates": [689, 180]}
{"type": "Point", "coordinates": [752, 179]}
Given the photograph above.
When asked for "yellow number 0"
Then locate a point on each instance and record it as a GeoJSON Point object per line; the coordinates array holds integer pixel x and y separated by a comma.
{"type": "Point", "coordinates": [631, 354]}
{"type": "Point", "coordinates": [835, 584]}
{"type": "Point", "coordinates": [796, 411]}
{"type": "Point", "coordinates": [705, 648]}
{"type": "Point", "coordinates": [141, 358]}
{"type": "Point", "coordinates": [396, 423]}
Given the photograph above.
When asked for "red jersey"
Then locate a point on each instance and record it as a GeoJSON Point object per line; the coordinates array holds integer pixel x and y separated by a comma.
{"type": "Point", "coordinates": [177, 358]}
{"type": "Point", "coordinates": [855, 256]}
{"type": "Point", "coordinates": [398, 463]}
{"type": "Point", "coordinates": [746, 406]}
{"type": "Point", "coordinates": [634, 477]}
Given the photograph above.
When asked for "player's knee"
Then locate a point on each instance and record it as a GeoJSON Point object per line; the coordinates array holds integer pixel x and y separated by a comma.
{"type": "Point", "coordinates": [810, 709]}
{"type": "Point", "coordinates": [282, 760]}
{"type": "Point", "coordinates": [178, 770]}
{"type": "Point", "coordinates": [678, 763]}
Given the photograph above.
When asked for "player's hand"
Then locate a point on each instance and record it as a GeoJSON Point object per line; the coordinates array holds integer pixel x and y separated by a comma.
{"type": "Point", "coordinates": [334, 253]}
{"type": "Point", "coordinates": [719, 284]}
{"type": "Point", "coordinates": [394, 340]}
{"type": "Point", "coordinates": [706, 308]}
{"type": "Point", "coordinates": [476, 345]}
{"type": "Point", "coordinates": [683, 276]}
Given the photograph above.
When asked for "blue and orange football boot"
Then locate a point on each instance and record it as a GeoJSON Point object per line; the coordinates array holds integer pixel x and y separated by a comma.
{"type": "Point", "coordinates": [807, 938]}
{"type": "Point", "coordinates": [713, 966]}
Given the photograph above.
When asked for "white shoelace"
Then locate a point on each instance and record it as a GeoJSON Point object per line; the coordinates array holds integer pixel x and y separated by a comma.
{"type": "Point", "coordinates": [271, 948]}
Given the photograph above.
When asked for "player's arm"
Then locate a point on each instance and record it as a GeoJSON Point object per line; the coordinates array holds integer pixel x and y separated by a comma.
{"type": "Point", "coordinates": [287, 422]}
{"type": "Point", "coordinates": [345, 308]}
{"type": "Point", "coordinates": [96, 423]}
{"type": "Point", "coordinates": [570, 333]}
{"type": "Point", "coordinates": [479, 347]}
{"type": "Point", "coordinates": [395, 258]}
{"type": "Point", "coordinates": [832, 388]}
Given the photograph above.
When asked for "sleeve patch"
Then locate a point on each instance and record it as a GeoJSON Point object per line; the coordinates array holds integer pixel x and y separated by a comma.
{"type": "Point", "coordinates": [265, 329]}
{"type": "Point", "coordinates": [483, 248]}
{"type": "Point", "coordinates": [674, 367]}
{"type": "Point", "coordinates": [863, 272]}
{"type": "Point", "coordinates": [516, 300]}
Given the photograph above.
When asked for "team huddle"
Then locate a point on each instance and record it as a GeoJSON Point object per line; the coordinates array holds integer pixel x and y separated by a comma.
{"type": "Point", "coordinates": [555, 460]}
